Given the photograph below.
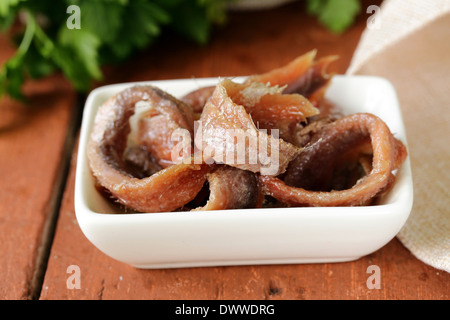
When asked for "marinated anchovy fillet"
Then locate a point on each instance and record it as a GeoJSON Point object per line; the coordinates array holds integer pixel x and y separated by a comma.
{"type": "Point", "coordinates": [156, 125]}
{"type": "Point", "coordinates": [198, 98]}
{"type": "Point", "coordinates": [289, 74]}
{"type": "Point", "coordinates": [303, 75]}
{"type": "Point", "coordinates": [231, 188]}
{"type": "Point", "coordinates": [165, 190]}
{"type": "Point", "coordinates": [228, 135]}
{"type": "Point", "coordinates": [270, 108]}
{"type": "Point", "coordinates": [324, 150]}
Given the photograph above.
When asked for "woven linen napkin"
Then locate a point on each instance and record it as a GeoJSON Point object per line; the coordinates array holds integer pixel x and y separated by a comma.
{"type": "Point", "coordinates": [408, 42]}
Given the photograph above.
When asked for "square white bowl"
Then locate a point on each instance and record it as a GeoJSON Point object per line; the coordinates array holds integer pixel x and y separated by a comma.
{"type": "Point", "coordinates": [247, 236]}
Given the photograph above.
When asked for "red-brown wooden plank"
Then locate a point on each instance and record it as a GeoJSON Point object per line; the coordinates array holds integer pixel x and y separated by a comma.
{"type": "Point", "coordinates": [250, 43]}
{"type": "Point", "coordinates": [32, 142]}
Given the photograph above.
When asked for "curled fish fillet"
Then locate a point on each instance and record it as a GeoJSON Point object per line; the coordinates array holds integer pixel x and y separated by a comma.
{"type": "Point", "coordinates": [165, 190]}
{"type": "Point", "coordinates": [270, 108]}
{"type": "Point", "coordinates": [231, 188]}
{"type": "Point", "coordinates": [229, 135]}
{"type": "Point", "coordinates": [198, 98]}
{"type": "Point", "coordinates": [303, 75]}
{"type": "Point", "coordinates": [335, 138]}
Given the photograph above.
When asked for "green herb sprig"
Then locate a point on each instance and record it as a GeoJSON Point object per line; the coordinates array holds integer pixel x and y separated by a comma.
{"type": "Point", "coordinates": [336, 15]}
{"type": "Point", "coordinates": [111, 31]}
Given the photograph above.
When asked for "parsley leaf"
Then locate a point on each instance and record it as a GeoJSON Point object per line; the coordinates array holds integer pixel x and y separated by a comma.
{"type": "Point", "coordinates": [113, 30]}
{"type": "Point", "coordinates": [336, 15]}
{"type": "Point", "coordinates": [85, 46]}
{"type": "Point", "coordinates": [142, 22]}
{"type": "Point", "coordinates": [102, 18]}
{"type": "Point", "coordinates": [7, 5]}
{"type": "Point", "coordinates": [12, 75]}
{"type": "Point", "coordinates": [190, 20]}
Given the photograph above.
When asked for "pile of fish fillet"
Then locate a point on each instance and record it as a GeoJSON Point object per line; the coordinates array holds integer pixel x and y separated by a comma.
{"type": "Point", "coordinates": [323, 157]}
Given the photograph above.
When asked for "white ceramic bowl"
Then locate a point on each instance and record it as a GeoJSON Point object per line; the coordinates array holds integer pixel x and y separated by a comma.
{"type": "Point", "coordinates": [250, 236]}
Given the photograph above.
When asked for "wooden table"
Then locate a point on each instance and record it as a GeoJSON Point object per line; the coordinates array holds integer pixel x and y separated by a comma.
{"type": "Point", "coordinates": [39, 234]}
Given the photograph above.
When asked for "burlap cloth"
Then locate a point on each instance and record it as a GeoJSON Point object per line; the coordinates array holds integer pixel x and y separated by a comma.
{"type": "Point", "coordinates": [409, 44]}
